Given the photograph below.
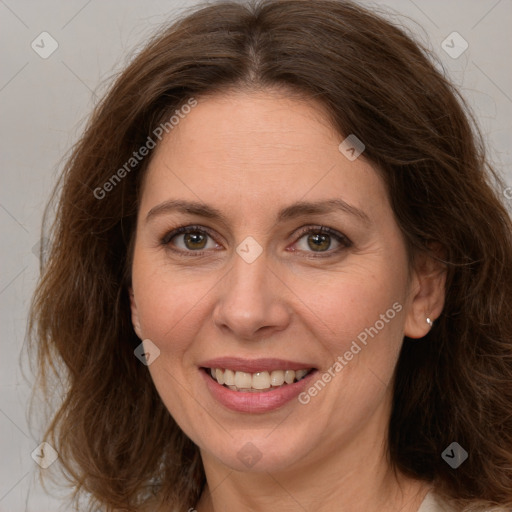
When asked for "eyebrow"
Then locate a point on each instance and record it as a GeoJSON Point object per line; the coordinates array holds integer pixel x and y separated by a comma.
{"type": "Point", "coordinates": [289, 212]}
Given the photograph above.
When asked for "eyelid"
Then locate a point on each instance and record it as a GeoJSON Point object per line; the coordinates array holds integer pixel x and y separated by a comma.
{"type": "Point", "coordinates": [186, 229]}
{"type": "Point", "coordinates": [342, 239]}
{"type": "Point", "coordinates": [180, 230]}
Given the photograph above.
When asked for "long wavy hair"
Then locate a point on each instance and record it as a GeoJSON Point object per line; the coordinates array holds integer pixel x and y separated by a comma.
{"type": "Point", "coordinates": [118, 444]}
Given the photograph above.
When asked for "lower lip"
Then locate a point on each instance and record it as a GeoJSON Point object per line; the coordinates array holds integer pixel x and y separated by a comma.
{"type": "Point", "coordinates": [263, 401]}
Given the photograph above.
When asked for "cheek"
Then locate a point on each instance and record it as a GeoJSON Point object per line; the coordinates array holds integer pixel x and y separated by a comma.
{"type": "Point", "coordinates": [345, 304]}
{"type": "Point", "coordinates": [169, 320]}
{"type": "Point", "coordinates": [362, 311]}
{"type": "Point", "coordinates": [167, 300]}
{"type": "Point", "coordinates": [359, 318]}
{"type": "Point", "coordinates": [338, 307]}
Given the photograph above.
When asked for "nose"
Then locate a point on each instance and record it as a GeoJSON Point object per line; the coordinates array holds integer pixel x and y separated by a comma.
{"type": "Point", "coordinates": [251, 302]}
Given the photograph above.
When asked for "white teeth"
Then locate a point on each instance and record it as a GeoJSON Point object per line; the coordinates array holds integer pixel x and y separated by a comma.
{"type": "Point", "coordinates": [289, 376]}
{"type": "Point", "coordinates": [229, 377]}
{"type": "Point", "coordinates": [242, 379]}
{"type": "Point", "coordinates": [258, 381]}
{"type": "Point", "coordinates": [277, 378]}
{"type": "Point", "coordinates": [299, 374]}
{"type": "Point", "coordinates": [261, 380]}
{"type": "Point", "coordinates": [219, 376]}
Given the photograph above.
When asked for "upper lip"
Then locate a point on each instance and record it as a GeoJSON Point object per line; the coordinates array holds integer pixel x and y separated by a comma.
{"type": "Point", "coordinates": [254, 365]}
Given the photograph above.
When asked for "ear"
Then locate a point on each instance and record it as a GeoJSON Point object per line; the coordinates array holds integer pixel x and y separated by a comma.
{"type": "Point", "coordinates": [427, 291]}
{"type": "Point", "coordinates": [135, 314]}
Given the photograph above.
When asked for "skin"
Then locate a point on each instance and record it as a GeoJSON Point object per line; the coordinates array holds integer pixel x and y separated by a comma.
{"type": "Point", "coordinates": [249, 154]}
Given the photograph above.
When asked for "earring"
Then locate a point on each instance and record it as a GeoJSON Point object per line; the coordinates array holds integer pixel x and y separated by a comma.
{"type": "Point", "coordinates": [430, 322]}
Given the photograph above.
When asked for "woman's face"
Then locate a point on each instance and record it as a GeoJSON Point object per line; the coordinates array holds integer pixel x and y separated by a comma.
{"type": "Point", "coordinates": [256, 288]}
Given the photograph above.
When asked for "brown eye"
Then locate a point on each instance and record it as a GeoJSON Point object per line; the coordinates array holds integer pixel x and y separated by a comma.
{"type": "Point", "coordinates": [319, 242]}
{"type": "Point", "coordinates": [189, 239]}
{"type": "Point", "coordinates": [195, 240]}
{"type": "Point", "coordinates": [322, 240]}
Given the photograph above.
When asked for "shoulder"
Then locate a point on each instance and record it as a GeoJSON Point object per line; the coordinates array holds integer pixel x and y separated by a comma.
{"type": "Point", "coordinates": [434, 503]}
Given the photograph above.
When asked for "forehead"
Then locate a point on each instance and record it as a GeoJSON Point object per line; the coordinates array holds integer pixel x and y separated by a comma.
{"type": "Point", "coordinates": [261, 148]}
{"type": "Point", "coordinates": [252, 129]}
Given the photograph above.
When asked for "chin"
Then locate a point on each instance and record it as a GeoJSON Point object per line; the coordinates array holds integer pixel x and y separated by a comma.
{"type": "Point", "coordinates": [259, 451]}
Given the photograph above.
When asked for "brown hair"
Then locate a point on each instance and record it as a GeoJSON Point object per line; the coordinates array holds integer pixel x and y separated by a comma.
{"type": "Point", "coordinates": [115, 438]}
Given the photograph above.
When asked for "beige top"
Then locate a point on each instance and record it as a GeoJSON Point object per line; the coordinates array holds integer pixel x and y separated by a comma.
{"type": "Point", "coordinates": [434, 503]}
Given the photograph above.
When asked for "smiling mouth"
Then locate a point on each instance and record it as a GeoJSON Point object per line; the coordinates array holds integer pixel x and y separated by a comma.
{"type": "Point", "coordinates": [258, 382]}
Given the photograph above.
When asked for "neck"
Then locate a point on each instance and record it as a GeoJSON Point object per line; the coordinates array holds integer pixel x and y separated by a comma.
{"type": "Point", "coordinates": [355, 477]}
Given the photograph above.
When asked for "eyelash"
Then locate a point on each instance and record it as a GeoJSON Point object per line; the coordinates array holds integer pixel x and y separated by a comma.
{"type": "Point", "coordinates": [340, 238]}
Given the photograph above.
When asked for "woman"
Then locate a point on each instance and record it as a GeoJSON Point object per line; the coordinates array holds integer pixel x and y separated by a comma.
{"type": "Point", "coordinates": [280, 277]}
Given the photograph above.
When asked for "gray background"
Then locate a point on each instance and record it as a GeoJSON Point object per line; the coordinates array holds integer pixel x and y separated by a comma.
{"type": "Point", "coordinates": [45, 102]}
